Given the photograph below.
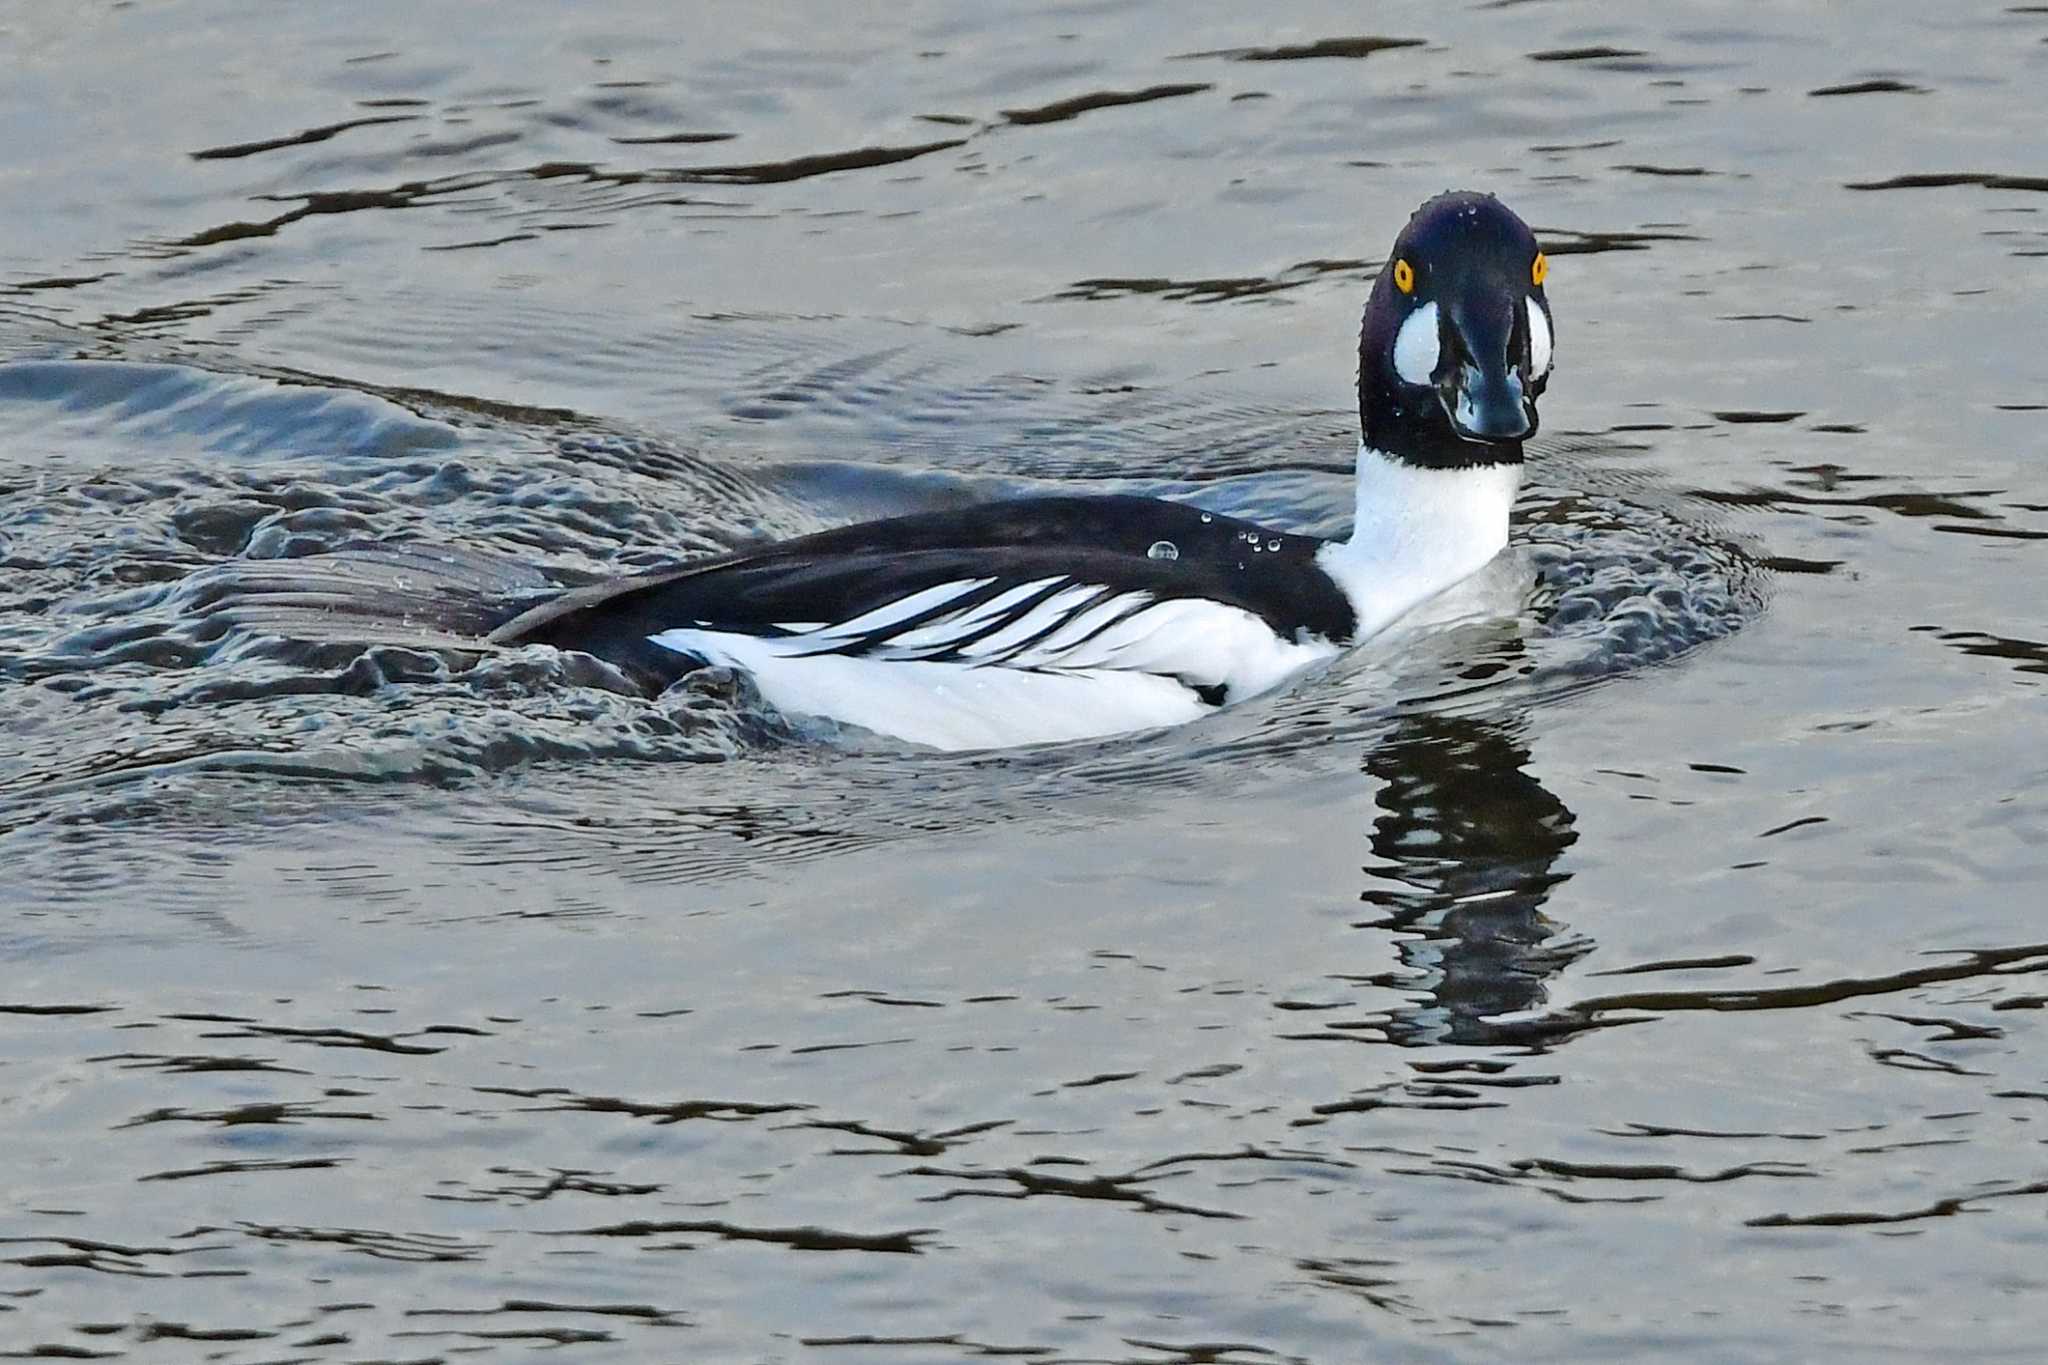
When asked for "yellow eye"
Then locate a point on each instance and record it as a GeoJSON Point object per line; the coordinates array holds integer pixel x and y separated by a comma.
{"type": "Point", "coordinates": [1404, 276]}
{"type": "Point", "coordinates": [1539, 270]}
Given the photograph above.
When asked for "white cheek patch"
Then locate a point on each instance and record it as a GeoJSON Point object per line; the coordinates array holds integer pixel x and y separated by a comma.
{"type": "Point", "coordinates": [1415, 346]}
{"type": "Point", "coordinates": [1539, 339]}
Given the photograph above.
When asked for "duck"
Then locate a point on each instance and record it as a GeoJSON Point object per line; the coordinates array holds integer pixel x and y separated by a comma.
{"type": "Point", "coordinates": [1056, 618]}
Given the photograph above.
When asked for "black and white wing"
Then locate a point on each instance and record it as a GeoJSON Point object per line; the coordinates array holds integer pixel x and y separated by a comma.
{"type": "Point", "coordinates": [1050, 617]}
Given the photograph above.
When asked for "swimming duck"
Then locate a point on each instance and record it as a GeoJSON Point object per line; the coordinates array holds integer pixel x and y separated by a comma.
{"type": "Point", "coordinates": [1066, 617]}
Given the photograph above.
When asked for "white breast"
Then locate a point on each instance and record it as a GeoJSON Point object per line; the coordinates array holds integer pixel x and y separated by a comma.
{"type": "Point", "coordinates": [1418, 532]}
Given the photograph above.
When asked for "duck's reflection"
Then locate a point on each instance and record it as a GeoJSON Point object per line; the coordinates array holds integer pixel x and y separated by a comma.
{"type": "Point", "coordinates": [1466, 853]}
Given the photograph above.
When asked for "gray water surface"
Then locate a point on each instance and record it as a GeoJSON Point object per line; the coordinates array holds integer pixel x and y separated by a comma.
{"type": "Point", "coordinates": [1648, 963]}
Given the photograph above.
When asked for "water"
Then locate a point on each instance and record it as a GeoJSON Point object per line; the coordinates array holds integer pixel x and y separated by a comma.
{"type": "Point", "coordinates": [1648, 962]}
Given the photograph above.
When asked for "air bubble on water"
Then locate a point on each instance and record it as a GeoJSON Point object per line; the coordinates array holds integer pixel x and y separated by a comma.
{"type": "Point", "coordinates": [1163, 549]}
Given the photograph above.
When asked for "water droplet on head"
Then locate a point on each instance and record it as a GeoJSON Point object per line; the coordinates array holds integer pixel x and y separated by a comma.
{"type": "Point", "coordinates": [1163, 549]}
{"type": "Point", "coordinates": [1274, 546]}
{"type": "Point", "coordinates": [1206, 518]}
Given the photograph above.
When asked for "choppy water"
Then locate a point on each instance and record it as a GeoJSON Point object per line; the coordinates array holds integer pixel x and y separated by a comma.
{"type": "Point", "coordinates": [1650, 964]}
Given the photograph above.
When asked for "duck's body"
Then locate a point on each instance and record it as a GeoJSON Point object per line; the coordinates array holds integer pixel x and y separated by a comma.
{"type": "Point", "coordinates": [1067, 617]}
{"type": "Point", "coordinates": [1038, 619]}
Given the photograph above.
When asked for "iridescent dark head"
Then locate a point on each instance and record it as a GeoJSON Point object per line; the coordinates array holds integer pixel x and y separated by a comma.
{"type": "Point", "coordinates": [1456, 343]}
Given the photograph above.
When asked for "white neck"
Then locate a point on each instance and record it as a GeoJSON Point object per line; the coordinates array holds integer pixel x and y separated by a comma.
{"type": "Point", "coordinates": [1418, 531]}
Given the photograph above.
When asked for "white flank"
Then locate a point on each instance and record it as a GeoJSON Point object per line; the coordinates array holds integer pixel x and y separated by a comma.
{"type": "Point", "coordinates": [1539, 339]}
{"type": "Point", "coordinates": [1202, 643]}
{"type": "Point", "coordinates": [1136, 674]}
{"type": "Point", "coordinates": [1418, 532]}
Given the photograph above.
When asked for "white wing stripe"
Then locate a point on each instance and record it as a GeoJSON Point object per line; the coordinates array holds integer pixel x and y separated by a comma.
{"type": "Point", "coordinates": [903, 609]}
{"type": "Point", "coordinates": [950, 630]}
{"type": "Point", "coordinates": [1055, 649]}
{"type": "Point", "coordinates": [1046, 616]}
{"type": "Point", "coordinates": [1109, 648]}
{"type": "Point", "coordinates": [1002, 603]}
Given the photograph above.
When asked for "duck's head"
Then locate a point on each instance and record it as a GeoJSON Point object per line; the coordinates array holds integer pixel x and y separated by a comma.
{"type": "Point", "coordinates": [1456, 343]}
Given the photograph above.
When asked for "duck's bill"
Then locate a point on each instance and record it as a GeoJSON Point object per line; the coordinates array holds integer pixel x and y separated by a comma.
{"type": "Point", "coordinates": [1489, 405]}
{"type": "Point", "coordinates": [1481, 386]}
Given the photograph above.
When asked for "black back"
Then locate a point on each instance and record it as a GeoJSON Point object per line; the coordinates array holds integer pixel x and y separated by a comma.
{"type": "Point", "coordinates": [841, 574]}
